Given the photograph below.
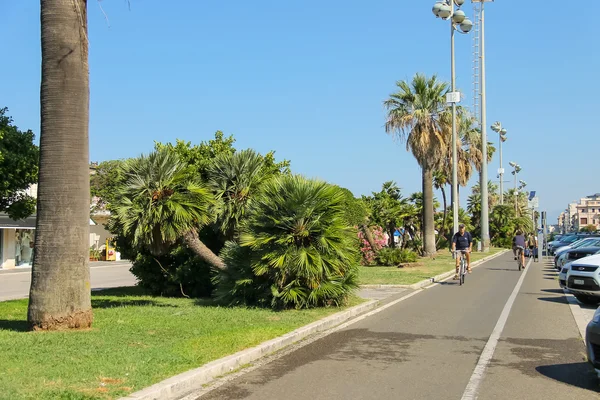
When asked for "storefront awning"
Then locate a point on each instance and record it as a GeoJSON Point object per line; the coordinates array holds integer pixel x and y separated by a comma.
{"type": "Point", "coordinates": [7, 223]}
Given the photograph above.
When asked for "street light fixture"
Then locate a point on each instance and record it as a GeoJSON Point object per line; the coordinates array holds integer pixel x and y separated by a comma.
{"type": "Point", "coordinates": [497, 127]}
{"type": "Point", "coordinates": [445, 9]}
{"type": "Point", "coordinates": [515, 172]}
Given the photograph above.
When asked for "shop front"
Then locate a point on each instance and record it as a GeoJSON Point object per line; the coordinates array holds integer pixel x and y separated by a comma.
{"type": "Point", "coordinates": [17, 239]}
{"type": "Point", "coordinates": [16, 242]}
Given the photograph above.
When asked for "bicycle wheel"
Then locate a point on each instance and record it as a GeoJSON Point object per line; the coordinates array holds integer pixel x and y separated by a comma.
{"type": "Point", "coordinates": [462, 270]}
{"type": "Point", "coordinates": [520, 261]}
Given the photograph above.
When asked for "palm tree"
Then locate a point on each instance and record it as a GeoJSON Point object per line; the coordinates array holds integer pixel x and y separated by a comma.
{"type": "Point", "coordinates": [470, 136]}
{"type": "Point", "coordinates": [493, 197]}
{"type": "Point", "coordinates": [236, 179]}
{"type": "Point", "coordinates": [521, 202]}
{"type": "Point", "coordinates": [59, 296]}
{"type": "Point", "coordinates": [474, 207]}
{"type": "Point", "coordinates": [296, 248]}
{"type": "Point", "coordinates": [414, 115]}
{"type": "Point", "coordinates": [162, 203]}
{"type": "Point", "coordinates": [440, 180]}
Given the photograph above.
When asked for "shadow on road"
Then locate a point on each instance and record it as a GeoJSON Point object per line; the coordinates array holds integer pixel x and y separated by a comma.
{"type": "Point", "coordinates": [575, 374]}
{"type": "Point", "coordinates": [557, 291]}
{"type": "Point", "coordinates": [14, 325]}
{"type": "Point", "coordinates": [557, 299]}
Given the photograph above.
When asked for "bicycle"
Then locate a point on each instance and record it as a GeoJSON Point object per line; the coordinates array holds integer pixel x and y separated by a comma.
{"type": "Point", "coordinates": [520, 251]}
{"type": "Point", "coordinates": [462, 266]}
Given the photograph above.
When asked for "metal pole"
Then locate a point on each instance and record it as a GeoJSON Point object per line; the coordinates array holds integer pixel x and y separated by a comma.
{"type": "Point", "coordinates": [485, 229]}
{"type": "Point", "coordinates": [454, 135]}
{"type": "Point", "coordinates": [501, 173]}
{"type": "Point", "coordinates": [516, 193]}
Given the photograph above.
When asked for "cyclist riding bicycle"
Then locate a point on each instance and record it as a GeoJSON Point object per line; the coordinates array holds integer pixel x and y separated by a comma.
{"type": "Point", "coordinates": [462, 241]}
{"type": "Point", "coordinates": [519, 241]}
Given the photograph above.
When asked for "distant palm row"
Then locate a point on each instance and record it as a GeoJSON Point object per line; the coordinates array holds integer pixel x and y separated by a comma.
{"type": "Point", "coordinates": [418, 114]}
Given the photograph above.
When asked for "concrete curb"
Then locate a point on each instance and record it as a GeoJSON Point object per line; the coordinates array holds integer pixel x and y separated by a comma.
{"type": "Point", "coordinates": [186, 382]}
{"type": "Point", "coordinates": [437, 278]}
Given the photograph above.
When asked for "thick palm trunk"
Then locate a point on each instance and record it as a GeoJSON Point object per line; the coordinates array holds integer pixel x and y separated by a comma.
{"type": "Point", "coordinates": [443, 229]}
{"type": "Point", "coordinates": [428, 220]}
{"type": "Point", "coordinates": [195, 244]}
{"type": "Point", "coordinates": [369, 237]}
{"type": "Point", "coordinates": [391, 229]}
{"type": "Point", "coordinates": [59, 297]}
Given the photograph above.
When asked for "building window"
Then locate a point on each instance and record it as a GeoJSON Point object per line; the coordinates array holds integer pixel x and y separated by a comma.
{"type": "Point", "coordinates": [583, 221]}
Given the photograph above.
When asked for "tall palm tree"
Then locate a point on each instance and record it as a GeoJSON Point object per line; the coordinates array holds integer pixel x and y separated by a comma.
{"type": "Point", "coordinates": [59, 296]}
{"type": "Point", "coordinates": [236, 179]}
{"type": "Point", "coordinates": [440, 180]}
{"type": "Point", "coordinates": [161, 203]}
{"type": "Point", "coordinates": [414, 115]}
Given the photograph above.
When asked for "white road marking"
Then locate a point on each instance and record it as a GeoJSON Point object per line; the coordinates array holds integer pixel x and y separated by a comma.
{"type": "Point", "coordinates": [488, 351]}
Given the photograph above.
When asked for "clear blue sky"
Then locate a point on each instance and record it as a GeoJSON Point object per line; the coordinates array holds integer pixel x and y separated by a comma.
{"type": "Point", "coordinates": [307, 79]}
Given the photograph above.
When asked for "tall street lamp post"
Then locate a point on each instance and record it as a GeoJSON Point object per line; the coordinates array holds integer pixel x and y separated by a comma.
{"type": "Point", "coordinates": [515, 172]}
{"type": "Point", "coordinates": [497, 127]}
{"type": "Point", "coordinates": [458, 23]}
{"type": "Point", "coordinates": [485, 223]}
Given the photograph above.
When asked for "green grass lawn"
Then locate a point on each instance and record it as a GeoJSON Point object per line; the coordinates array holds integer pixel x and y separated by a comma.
{"type": "Point", "coordinates": [429, 268]}
{"type": "Point", "coordinates": [136, 341]}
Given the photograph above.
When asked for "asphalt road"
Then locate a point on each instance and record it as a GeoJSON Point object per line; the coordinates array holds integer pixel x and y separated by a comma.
{"type": "Point", "coordinates": [433, 346]}
{"type": "Point", "coordinates": [14, 284]}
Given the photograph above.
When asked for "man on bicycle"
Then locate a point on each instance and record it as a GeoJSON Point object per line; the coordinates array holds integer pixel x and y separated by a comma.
{"type": "Point", "coordinates": [519, 241]}
{"type": "Point", "coordinates": [462, 241]}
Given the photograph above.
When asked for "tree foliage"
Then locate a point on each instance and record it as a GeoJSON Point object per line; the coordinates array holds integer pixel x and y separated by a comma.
{"type": "Point", "coordinates": [19, 158]}
{"type": "Point", "coordinates": [106, 182]}
{"type": "Point", "coordinates": [589, 228]}
{"type": "Point", "coordinates": [296, 248]}
{"type": "Point", "coordinates": [159, 202]}
{"type": "Point", "coordinates": [235, 179]}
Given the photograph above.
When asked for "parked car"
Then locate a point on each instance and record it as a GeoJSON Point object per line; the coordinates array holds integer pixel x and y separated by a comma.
{"type": "Point", "coordinates": [584, 244]}
{"type": "Point", "coordinates": [562, 276]}
{"type": "Point", "coordinates": [576, 254]}
{"type": "Point", "coordinates": [583, 279]}
{"type": "Point", "coordinates": [566, 241]}
{"type": "Point", "coordinates": [592, 341]}
{"type": "Point", "coordinates": [578, 243]}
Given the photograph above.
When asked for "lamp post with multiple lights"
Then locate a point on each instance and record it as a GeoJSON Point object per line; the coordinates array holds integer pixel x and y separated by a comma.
{"type": "Point", "coordinates": [449, 10]}
{"type": "Point", "coordinates": [497, 127]}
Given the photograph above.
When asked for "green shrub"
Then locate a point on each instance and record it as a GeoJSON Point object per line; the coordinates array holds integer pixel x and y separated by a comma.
{"type": "Point", "coordinates": [389, 256]}
{"type": "Point", "coordinates": [296, 248]}
{"type": "Point", "coordinates": [179, 272]}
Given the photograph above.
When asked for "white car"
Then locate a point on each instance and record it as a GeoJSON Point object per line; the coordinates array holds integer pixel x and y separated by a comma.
{"type": "Point", "coordinates": [559, 254]}
{"type": "Point", "coordinates": [577, 244]}
{"type": "Point", "coordinates": [583, 279]}
{"type": "Point", "coordinates": [562, 276]}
